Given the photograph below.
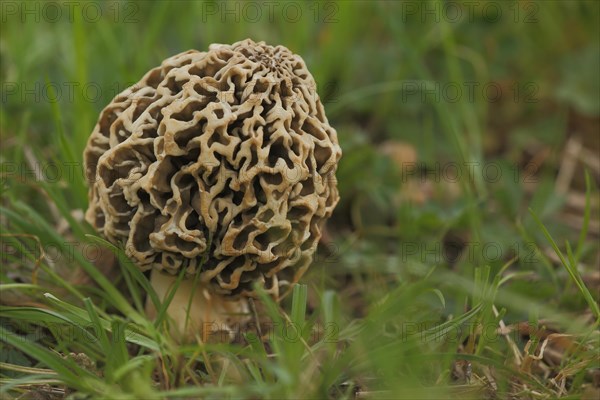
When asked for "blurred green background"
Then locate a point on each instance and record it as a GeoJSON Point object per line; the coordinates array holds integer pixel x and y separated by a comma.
{"type": "Point", "coordinates": [458, 81]}
{"type": "Point", "coordinates": [454, 118]}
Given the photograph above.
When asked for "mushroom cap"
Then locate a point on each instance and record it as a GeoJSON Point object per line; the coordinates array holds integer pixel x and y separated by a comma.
{"type": "Point", "coordinates": [218, 162]}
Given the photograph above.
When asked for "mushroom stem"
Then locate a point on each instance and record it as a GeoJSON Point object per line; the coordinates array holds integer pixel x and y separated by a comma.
{"type": "Point", "coordinates": [197, 312]}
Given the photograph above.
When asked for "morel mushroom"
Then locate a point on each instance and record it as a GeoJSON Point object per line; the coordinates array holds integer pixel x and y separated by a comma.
{"type": "Point", "coordinates": [219, 165]}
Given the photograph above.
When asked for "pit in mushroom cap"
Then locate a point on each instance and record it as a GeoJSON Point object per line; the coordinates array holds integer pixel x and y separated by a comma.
{"type": "Point", "coordinates": [221, 160]}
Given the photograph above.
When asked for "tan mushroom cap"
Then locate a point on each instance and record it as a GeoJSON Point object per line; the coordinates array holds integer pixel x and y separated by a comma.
{"type": "Point", "coordinates": [220, 160]}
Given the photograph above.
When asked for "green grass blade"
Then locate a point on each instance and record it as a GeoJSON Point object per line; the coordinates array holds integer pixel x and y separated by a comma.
{"type": "Point", "coordinates": [586, 218]}
{"type": "Point", "coordinates": [571, 269]}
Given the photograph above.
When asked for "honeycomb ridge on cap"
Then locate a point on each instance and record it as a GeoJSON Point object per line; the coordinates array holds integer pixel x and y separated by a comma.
{"type": "Point", "coordinates": [221, 160]}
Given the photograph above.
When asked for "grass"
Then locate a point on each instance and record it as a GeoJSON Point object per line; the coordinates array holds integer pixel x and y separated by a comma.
{"type": "Point", "coordinates": [461, 261]}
